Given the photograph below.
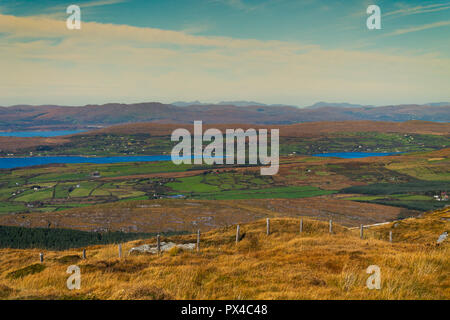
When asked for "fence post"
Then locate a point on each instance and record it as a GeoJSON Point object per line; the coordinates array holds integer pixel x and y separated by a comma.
{"type": "Point", "coordinates": [237, 234]}
{"type": "Point", "coordinates": [198, 240]}
{"type": "Point", "coordinates": [361, 231]}
{"type": "Point", "coordinates": [268, 226]}
{"type": "Point", "coordinates": [41, 257]}
{"type": "Point", "coordinates": [390, 236]}
{"type": "Point", "coordinates": [158, 244]}
{"type": "Point", "coordinates": [120, 251]}
{"type": "Point", "coordinates": [301, 225]}
{"type": "Point", "coordinates": [331, 226]}
{"type": "Point", "coordinates": [84, 254]}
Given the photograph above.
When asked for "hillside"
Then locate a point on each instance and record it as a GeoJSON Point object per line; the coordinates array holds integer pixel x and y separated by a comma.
{"type": "Point", "coordinates": [159, 134]}
{"type": "Point", "coordinates": [283, 265]}
{"type": "Point", "coordinates": [308, 129]}
{"type": "Point", "coordinates": [58, 117]}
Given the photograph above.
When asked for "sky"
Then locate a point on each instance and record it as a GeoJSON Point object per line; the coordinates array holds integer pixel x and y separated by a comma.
{"type": "Point", "coordinates": [294, 52]}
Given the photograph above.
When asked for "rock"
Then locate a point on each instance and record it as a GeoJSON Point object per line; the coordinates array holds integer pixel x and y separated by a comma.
{"type": "Point", "coordinates": [165, 246]}
{"type": "Point", "coordinates": [442, 237]}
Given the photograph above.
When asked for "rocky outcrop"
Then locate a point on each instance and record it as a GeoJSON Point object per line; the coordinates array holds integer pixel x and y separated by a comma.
{"type": "Point", "coordinates": [165, 246]}
{"type": "Point", "coordinates": [442, 237]}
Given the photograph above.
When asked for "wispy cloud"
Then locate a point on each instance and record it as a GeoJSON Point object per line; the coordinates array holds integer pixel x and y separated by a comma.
{"type": "Point", "coordinates": [419, 28]}
{"type": "Point", "coordinates": [240, 4]}
{"type": "Point", "coordinates": [59, 11]}
{"type": "Point", "coordinates": [419, 9]}
{"type": "Point", "coordinates": [100, 3]}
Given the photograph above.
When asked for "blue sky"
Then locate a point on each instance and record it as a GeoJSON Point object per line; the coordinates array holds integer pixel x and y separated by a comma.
{"type": "Point", "coordinates": [413, 43]}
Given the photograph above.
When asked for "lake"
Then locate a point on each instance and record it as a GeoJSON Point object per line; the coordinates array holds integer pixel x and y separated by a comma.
{"type": "Point", "coordinates": [19, 162]}
{"type": "Point", "coordinates": [8, 163]}
{"type": "Point", "coordinates": [45, 134]}
{"type": "Point", "coordinates": [355, 155]}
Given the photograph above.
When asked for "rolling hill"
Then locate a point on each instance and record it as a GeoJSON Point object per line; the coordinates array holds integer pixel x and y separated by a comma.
{"type": "Point", "coordinates": [89, 116]}
{"type": "Point", "coordinates": [297, 131]}
{"type": "Point", "coordinates": [283, 265]}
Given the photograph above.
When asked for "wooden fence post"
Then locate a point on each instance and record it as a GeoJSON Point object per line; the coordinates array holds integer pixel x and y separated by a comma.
{"type": "Point", "coordinates": [198, 240]}
{"type": "Point", "coordinates": [268, 226]}
{"type": "Point", "coordinates": [301, 225]}
{"type": "Point", "coordinates": [361, 231]}
{"type": "Point", "coordinates": [158, 244]}
{"type": "Point", "coordinates": [84, 254]}
{"type": "Point", "coordinates": [390, 236]}
{"type": "Point", "coordinates": [237, 234]}
{"type": "Point", "coordinates": [331, 226]}
{"type": "Point", "coordinates": [41, 257]}
{"type": "Point", "coordinates": [120, 251]}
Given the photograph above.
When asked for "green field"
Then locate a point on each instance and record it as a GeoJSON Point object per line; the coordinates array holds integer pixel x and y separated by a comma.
{"type": "Point", "coordinates": [417, 195]}
{"type": "Point", "coordinates": [7, 207]}
{"type": "Point", "coordinates": [192, 184]}
{"type": "Point", "coordinates": [267, 193]}
{"type": "Point", "coordinates": [216, 183]}
{"type": "Point", "coordinates": [31, 195]}
{"type": "Point", "coordinates": [407, 197]}
{"type": "Point", "coordinates": [83, 189]}
{"type": "Point", "coordinates": [400, 188]}
{"type": "Point", "coordinates": [239, 186]}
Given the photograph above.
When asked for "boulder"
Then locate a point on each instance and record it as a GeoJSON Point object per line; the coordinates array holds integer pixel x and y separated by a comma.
{"type": "Point", "coordinates": [165, 246]}
{"type": "Point", "coordinates": [442, 237]}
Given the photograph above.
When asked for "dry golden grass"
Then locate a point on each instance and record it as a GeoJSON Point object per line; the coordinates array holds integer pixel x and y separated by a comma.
{"type": "Point", "coordinates": [284, 265]}
{"type": "Point", "coordinates": [424, 229]}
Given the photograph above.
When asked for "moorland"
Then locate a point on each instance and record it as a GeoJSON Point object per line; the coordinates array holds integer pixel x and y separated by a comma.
{"type": "Point", "coordinates": [286, 264]}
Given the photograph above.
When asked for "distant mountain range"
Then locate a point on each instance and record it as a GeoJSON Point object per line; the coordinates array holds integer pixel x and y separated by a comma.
{"type": "Point", "coordinates": [437, 104]}
{"type": "Point", "coordinates": [23, 117]}
{"type": "Point", "coordinates": [322, 104]}
{"type": "Point", "coordinates": [317, 105]}
{"type": "Point", "coordinates": [227, 103]}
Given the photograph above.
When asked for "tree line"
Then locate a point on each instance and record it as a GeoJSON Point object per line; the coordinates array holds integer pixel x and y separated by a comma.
{"type": "Point", "coordinates": [63, 239]}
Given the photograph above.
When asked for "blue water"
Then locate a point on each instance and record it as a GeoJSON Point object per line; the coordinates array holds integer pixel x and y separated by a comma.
{"type": "Point", "coordinates": [8, 163]}
{"type": "Point", "coordinates": [19, 162]}
{"type": "Point", "coordinates": [29, 134]}
{"type": "Point", "coordinates": [355, 155]}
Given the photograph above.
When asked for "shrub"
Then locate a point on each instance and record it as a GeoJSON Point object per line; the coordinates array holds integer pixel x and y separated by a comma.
{"type": "Point", "coordinates": [31, 269]}
{"type": "Point", "coordinates": [5, 291]}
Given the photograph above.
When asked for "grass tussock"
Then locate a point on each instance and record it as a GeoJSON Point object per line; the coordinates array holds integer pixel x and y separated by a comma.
{"type": "Point", "coordinates": [282, 265]}
{"type": "Point", "coordinates": [32, 269]}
